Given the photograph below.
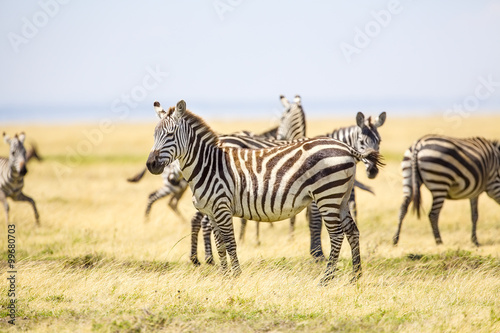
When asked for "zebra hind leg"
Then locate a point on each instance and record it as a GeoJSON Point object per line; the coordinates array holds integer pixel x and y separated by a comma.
{"type": "Point", "coordinates": [23, 197]}
{"type": "Point", "coordinates": [351, 230]}
{"type": "Point", "coordinates": [352, 205]}
{"type": "Point", "coordinates": [6, 206]}
{"type": "Point", "coordinates": [336, 238]}
{"type": "Point", "coordinates": [153, 197]}
{"type": "Point", "coordinates": [402, 213]}
{"type": "Point", "coordinates": [207, 232]}
{"type": "Point", "coordinates": [243, 229]}
{"type": "Point", "coordinates": [195, 229]}
{"type": "Point", "coordinates": [474, 216]}
{"type": "Point", "coordinates": [437, 204]}
{"type": "Point", "coordinates": [292, 228]}
{"type": "Point", "coordinates": [315, 225]}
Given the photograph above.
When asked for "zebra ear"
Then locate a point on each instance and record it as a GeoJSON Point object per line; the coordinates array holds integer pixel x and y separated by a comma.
{"type": "Point", "coordinates": [21, 137]}
{"type": "Point", "coordinates": [159, 110]}
{"type": "Point", "coordinates": [6, 138]}
{"type": "Point", "coordinates": [284, 101]}
{"type": "Point", "coordinates": [360, 119]}
{"type": "Point", "coordinates": [297, 100]}
{"type": "Point", "coordinates": [380, 120]}
{"type": "Point", "coordinates": [180, 109]}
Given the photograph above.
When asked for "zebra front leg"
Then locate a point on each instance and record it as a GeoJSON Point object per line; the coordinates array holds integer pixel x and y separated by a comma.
{"type": "Point", "coordinates": [195, 229]}
{"type": "Point", "coordinates": [437, 204]}
{"type": "Point", "coordinates": [24, 197]}
{"type": "Point", "coordinates": [153, 197]}
{"type": "Point", "coordinates": [402, 213]}
{"type": "Point", "coordinates": [207, 232]}
{"type": "Point", "coordinates": [474, 216]}
{"type": "Point", "coordinates": [220, 243]}
{"type": "Point", "coordinates": [315, 224]}
{"type": "Point", "coordinates": [225, 225]}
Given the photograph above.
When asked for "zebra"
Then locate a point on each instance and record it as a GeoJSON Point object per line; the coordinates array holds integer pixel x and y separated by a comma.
{"type": "Point", "coordinates": [260, 184]}
{"type": "Point", "coordinates": [362, 136]}
{"type": "Point", "coordinates": [451, 168]}
{"type": "Point", "coordinates": [173, 184]}
{"type": "Point", "coordinates": [12, 172]}
{"type": "Point", "coordinates": [292, 126]}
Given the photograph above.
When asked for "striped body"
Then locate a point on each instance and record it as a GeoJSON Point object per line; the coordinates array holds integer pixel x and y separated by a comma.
{"type": "Point", "coordinates": [12, 172]}
{"type": "Point", "coordinates": [264, 185]}
{"type": "Point", "coordinates": [451, 168]}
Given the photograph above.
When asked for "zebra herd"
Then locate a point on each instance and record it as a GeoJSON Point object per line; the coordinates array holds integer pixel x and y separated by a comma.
{"type": "Point", "coordinates": [274, 175]}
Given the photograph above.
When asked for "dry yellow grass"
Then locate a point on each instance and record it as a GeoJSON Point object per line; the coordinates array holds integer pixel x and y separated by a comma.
{"type": "Point", "coordinates": [93, 265]}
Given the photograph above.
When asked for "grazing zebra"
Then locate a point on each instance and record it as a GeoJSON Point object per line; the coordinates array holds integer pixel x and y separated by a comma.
{"type": "Point", "coordinates": [260, 184]}
{"type": "Point", "coordinates": [173, 184]}
{"type": "Point", "coordinates": [450, 168]}
{"type": "Point", "coordinates": [12, 172]}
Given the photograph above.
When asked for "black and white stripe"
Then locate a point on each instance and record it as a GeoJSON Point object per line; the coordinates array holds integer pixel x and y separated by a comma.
{"type": "Point", "coordinates": [12, 172]}
{"type": "Point", "coordinates": [260, 184]}
{"type": "Point", "coordinates": [451, 168]}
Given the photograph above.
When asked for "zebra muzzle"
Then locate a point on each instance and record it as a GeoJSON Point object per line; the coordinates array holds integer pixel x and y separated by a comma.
{"type": "Point", "coordinates": [153, 165]}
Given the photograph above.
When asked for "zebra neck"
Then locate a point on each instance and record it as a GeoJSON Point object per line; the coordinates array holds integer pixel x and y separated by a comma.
{"type": "Point", "coordinates": [347, 135]}
{"type": "Point", "coordinates": [200, 162]}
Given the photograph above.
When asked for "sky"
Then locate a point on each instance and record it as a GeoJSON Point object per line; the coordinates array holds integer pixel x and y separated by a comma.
{"type": "Point", "coordinates": [84, 60]}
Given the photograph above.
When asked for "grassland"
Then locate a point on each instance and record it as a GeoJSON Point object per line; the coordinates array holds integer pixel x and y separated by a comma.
{"type": "Point", "coordinates": [94, 265]}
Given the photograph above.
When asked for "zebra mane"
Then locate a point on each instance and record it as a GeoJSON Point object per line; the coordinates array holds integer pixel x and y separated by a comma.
{"type": "Point", "coordinates": [198, 125]}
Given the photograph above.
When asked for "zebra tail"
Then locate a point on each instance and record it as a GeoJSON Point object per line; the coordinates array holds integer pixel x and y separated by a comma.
{"type": "Point", "coordinates": [363, 186]}
{"type": "Point", "coordinates": [137, 177]}
{"type": "Point", "coordinates": [415, 181]}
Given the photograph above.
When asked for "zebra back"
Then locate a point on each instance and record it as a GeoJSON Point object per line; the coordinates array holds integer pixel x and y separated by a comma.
{"type": "Point", "coordinates": [454, 168]}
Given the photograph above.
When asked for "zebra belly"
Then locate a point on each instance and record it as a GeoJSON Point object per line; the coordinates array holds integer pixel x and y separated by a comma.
{"type": "Point", "coordinates": [266, 214]}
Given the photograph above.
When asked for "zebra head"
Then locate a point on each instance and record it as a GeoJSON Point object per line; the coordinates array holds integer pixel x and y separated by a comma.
{"type": "Point", "coordinates": [17, 155]}
{"type": "Point", "coordinates": [292, 124]}
{"type": "Point", "coordinates": [167, 141]}
{"type": "Point", "coordinates": [366, 137]}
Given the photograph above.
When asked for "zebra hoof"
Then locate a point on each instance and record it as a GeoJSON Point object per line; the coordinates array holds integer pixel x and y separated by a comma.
{"type": "Point", "coordinates": [210, 260]}
{"type": "Point", "coordinates": [195, 261]}
{"type": "Point", "coordinates": [395, 240]}
{"type": "Point", "coordinates": [325, 280]}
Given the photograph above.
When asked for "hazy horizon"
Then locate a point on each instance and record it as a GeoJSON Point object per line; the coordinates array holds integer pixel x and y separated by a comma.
{"type": "Point", "coordinates": [234, 58]}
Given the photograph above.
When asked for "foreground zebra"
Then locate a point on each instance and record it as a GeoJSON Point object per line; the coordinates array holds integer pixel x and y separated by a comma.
{"type": "Point", "coordinates": [261, 184]}
{"type": "Point", "coordinates": [292, 126]}
{"type": "Point", "coordinates": [12, 172]}
{"type": "Point", "coordinates": [173, 184]}
{"type": "Point", "coordinates": [450, 168]}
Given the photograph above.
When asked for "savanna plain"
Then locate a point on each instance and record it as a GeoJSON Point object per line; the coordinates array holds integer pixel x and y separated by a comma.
{"type": "Point", "coordinates": [94, 264]}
